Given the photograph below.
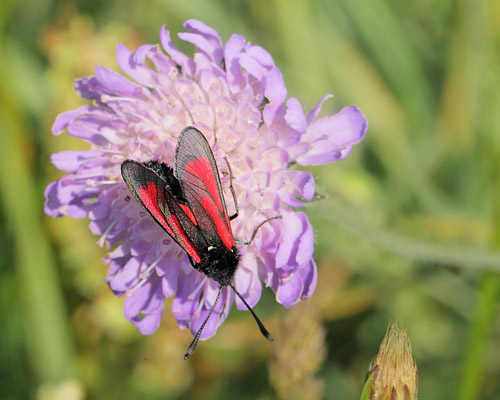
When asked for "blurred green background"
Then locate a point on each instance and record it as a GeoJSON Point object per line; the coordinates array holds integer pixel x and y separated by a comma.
{"type": "Point", "coordinates": [409, 229]}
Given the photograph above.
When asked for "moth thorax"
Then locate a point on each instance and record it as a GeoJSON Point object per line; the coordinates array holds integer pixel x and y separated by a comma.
{"type": "Point", "coordinates": [219, 263]}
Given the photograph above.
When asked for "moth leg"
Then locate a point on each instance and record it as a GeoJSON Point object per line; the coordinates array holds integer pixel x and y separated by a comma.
{"type": "Point", "coordinates": [193, 264]}
{"type": "Point", "coordinates": [232, 191]}
{"type": "Point", "coordinates": [255, 231]}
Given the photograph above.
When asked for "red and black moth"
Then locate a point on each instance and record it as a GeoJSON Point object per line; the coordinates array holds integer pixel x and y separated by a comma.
{"type": "Point", "coordinates": [189, 205]}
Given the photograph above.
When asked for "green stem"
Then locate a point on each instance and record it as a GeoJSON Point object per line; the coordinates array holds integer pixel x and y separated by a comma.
{"type": "Point", "coordinates": [482, 326]}
{"type": "Point", "coordinates": [479, 337]}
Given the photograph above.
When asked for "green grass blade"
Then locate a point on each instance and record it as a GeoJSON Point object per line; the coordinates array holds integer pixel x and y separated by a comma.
{"type": "Point", "coordinates": [482, 325]}
{"type": "Point", "coordinates": [46, 325]}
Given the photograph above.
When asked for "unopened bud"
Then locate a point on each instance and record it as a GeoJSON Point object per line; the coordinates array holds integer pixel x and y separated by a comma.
{"type": "Point", "coordinates": [393, 375]}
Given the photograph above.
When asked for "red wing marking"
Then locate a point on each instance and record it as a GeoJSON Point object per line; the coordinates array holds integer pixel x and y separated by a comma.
{"type": "Point", "coordinates": [222, 228]}
{"type": "Point", "coordinates": [149, 197]}
{"type": "Point", "coordinates": [182, 238]}
{"type": "Point", "coordinates": [189, 213]}
{"type": "Point", "coordinates": [204, 170]}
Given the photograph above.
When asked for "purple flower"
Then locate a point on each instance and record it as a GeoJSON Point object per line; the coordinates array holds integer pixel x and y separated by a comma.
{"type": "Point", "coordinates": [236, 96]}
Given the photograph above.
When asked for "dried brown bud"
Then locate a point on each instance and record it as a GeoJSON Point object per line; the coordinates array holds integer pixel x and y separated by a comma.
{"type": "Point", "coordinates": [393, 374]}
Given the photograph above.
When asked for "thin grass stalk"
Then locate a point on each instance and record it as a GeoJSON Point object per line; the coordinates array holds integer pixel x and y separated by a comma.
{"type": "Point", "coordinates": [482, 324]}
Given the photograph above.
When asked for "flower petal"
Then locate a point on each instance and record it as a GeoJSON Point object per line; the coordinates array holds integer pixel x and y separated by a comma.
{"type": "Point", "coordinates": [114, 83]}
{"type": "Point", "coordinates": [309, 273]}
{"type": "Point", "coordinates": [289, 290]}
{"type": "Point", "coordinates": [296, 234]}
{"type": "Point", "coordinates": [330, 135]}
{"type": "Point", "coordinates": [71, 161]}
{"type": "Point", "coordinates": [295, 116]}
{"type": "Point", "coordinates": [134, 64]}
{"type": "Point", "coordinates": [247, 283]}
{"type": "Point", "coordinates": [232, 51]}
{"type": "Point", "coordinates": [276, 93]}
{"type": "Point", "coordinates": [315, 111]}
{"type": "Point", "coordinates": [52, 204]}
{"type": "Point", "coordinates": [64, 119]}
{"type": "Point", "coordinates": [145, 305]}
{"type": "Point", "coordinates": [205, 38]}
{"type": "Point", "coordinates": [185, 62]}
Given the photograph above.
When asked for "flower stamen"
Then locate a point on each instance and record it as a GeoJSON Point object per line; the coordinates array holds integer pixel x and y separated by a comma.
{"type": "Point", "coordinates": [102, 240]}
{"type": "Point", "coordinates": [144, 276]}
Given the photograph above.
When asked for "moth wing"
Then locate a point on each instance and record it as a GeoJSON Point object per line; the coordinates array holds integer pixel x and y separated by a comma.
{"type": "Point", "coordinates": [197, 172]}
{"type": "Point", "coordinates": [150, 190]}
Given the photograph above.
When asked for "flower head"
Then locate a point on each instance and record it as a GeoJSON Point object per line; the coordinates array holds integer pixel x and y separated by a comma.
{"type": "Point", "coordinates": [236, 96]}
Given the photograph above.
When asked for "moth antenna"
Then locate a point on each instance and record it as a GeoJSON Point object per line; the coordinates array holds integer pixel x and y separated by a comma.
{"type": "Point", "coordinates": [262, 328]}
{"type": "Point", "coordinates": [193, 344]}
